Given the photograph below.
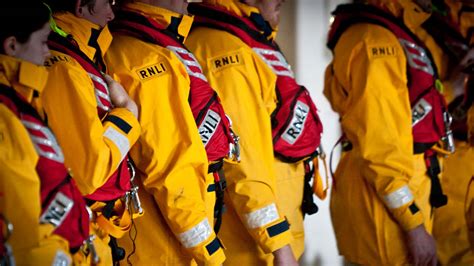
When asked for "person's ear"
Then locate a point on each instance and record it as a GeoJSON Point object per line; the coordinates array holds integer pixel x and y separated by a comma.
{"type": "Point", "coordinates": [78, 9]}
{"type": "Point", "coordinates": [10, 46]}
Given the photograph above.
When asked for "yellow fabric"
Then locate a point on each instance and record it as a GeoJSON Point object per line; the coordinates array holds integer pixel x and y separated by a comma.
{"type": "Point", "coordinates": [371, 96]}
{"type": "Point", "coordinates": [247, 90]}
{"type": "Point", "coordinates": [20, 201]}
{"type": "Point", "coordinates": [470, 212]}
{"type": "Point", "coordinates": [449, 229]}
{"type": "Point", "coordinates": [170, 157]}
{"type": "Point", "coordinates": [71, 105]}
{"type": "Point", "coordinates": [101, 245]}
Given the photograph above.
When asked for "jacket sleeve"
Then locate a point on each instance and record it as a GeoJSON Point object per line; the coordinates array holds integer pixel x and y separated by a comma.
{"type": "Point", "coordinates": [170, 154]}
{"type": "Point", "coordinates": [247, 91]}
{"type": "Point", "coordinates": [93, 148]}
{"type": "Point", "coordinates": [378, 116]}
{"type": "Point", "coordinates": [20, 195]}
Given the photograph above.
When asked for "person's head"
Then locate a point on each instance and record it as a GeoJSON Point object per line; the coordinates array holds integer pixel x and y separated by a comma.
{"type": "Point", "coordinates": [24, 30]}
{"type": "Point", "coordinates": [426, 5]}
{"type": "Point", "coordinates": [270, 9]}
{"type": "Point", "coordinates": [98, 12]}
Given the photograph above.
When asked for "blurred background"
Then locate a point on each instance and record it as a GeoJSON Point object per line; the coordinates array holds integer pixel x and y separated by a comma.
{"type": "Point", "coordinates": [302, 36]}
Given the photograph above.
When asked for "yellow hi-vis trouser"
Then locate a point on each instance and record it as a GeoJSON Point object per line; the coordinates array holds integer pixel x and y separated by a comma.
{"type": "Point", "coordinates": [449, 229]}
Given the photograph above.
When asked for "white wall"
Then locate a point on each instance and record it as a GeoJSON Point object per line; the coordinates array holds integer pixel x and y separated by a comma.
{"type": "Point", "coordinates": [311, 58]}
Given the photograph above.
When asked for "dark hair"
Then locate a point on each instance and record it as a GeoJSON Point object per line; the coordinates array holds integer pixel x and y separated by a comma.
{"type": "Point", "coordinates": [69, 5]}
{"type": "Point", "coordinates": [20, 18]}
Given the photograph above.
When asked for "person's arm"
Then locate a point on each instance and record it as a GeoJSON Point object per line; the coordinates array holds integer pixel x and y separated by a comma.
{"type": "Point", "coordinates": [20, 199]}
{"type": "Point", "coordinates": [169, 154]}
{"type": "Point", "coordinates": [247, 91]}
{"type": "Point", "coordinates": [378, 124]}
{"type": "Point", "coordinates": [92, 148]}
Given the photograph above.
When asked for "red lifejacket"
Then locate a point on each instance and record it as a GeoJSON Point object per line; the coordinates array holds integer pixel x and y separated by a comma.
{"type": "Point", "coordinates": [448, 37]}
{"type": "Point", "coordinates": [429, 114]}
{"type": "Point", "coordinates": [62, 203]}
{"type": "Point", "coordinates": [119, 182]}
{"type": "Point", "coordinates": [213, 125]}
{"type": "Point", "coordinates": [296, 127]}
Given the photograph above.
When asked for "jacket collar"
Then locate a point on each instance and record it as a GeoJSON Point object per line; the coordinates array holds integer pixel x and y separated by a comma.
{"type": "Point", "coordinates": [177, 23]}
{"type": "Point", "coordinates": [89, 36]}
{"type": "Point", "coordinates": [24, 77]}
{"type": "Point", "coordinates": [243, 10]}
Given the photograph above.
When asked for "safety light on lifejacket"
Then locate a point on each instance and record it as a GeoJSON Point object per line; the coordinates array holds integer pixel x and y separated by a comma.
{"type": "Point", "coordinates": [52, 24]}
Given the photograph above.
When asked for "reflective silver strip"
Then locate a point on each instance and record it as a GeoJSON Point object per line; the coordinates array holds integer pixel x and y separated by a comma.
{"type": "Point", "coordinates": [421, 57]}
{"type": "Point", "coordinates": [196, 235]}
{"type": "Point", "coordinates": [61, 259]}
{"type": "Point", "coordinates": [49, 140]}
{"type": "Point", "coordinates": [398, 198]}
{"type": "Point", "coordinates": [120, 141]}
{"type": "Point", "coordinates": [100, 94]}
{"type": "Point", "coordinates": [281, 61]}
{"type": "Point", "coordinates": [262, 216]}
{"type": "Point", "coordinates": [177, 50]}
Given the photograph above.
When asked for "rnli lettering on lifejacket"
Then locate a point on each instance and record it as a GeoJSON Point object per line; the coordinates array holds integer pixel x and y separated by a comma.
{"type": "Point", "coordinates": [420, 111]}
{"type": "Point", "coordinates": [57, 210]}
{"type": "Point", "coordinates": [382, 51]}
{"type": "Point", "coordinates": [208, 126]}
{"type": "Point", "coordinates": [296, 126]}
{"type": "Point", "coordinates": [55, 59]}
{"type": "Point", "coordinates": [152, 71]}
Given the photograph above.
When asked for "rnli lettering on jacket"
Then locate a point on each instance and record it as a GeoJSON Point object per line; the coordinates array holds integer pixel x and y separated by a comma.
{"type": "Point", "coordinates": [428, 105]}
{"type": "Point", "coordinates": [119, 182]}
{"type": "Point", "coordinates": [62, 203]}
{"type": "Point", "coordinates": [296, 127]}
{"type": "Point", "coordinates": [213, 125]}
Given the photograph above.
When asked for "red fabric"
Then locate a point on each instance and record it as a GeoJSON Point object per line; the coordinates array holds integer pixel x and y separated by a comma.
{"type": "Point", "coordinates": [421, 84]}
{"type": "Point", "coordinates": [119, 182]}
{"type": "Point", "coordinates": [202, 97]}
{"type": "Point", "coordinates": [306, 127]}
{"type": "Point", "coordinates": [53, 175]}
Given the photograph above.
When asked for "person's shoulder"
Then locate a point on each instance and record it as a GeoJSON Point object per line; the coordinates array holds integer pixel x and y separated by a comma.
{"type": "Point", "coordinates": [374, 40]}
{"type": "Point", "coordinates": [214, 40]}
{"type": "Point", "coordinates": [60, 60]}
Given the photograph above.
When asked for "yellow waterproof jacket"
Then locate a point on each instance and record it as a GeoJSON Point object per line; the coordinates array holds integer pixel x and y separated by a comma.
{"type": "Point", "coordinates": [20, 200]}
{"type": "Point", "coordinates": [381, 189]}
{"type": "Point", "coordinates": [449, 225]}
{"type": "Point", "coordinates": [170, 156]}
{"type": "Point", "coordinates": [246, 86]}
{"type": "Point", "coordinates": [470, 212]}
{"type": "Point", "coordinates": [93, 149]}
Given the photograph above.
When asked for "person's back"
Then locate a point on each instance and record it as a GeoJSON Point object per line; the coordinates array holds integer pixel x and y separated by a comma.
{"type": "Point", "coordinates": [380, 203]}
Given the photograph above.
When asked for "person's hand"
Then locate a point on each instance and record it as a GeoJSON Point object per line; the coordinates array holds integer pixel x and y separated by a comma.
{"type": "Point", "coordinates": [284, 257]}
{"type": "Point", "coordinates": [119, 97]}
{"type": "Point", "coordinates": [421, 247]}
